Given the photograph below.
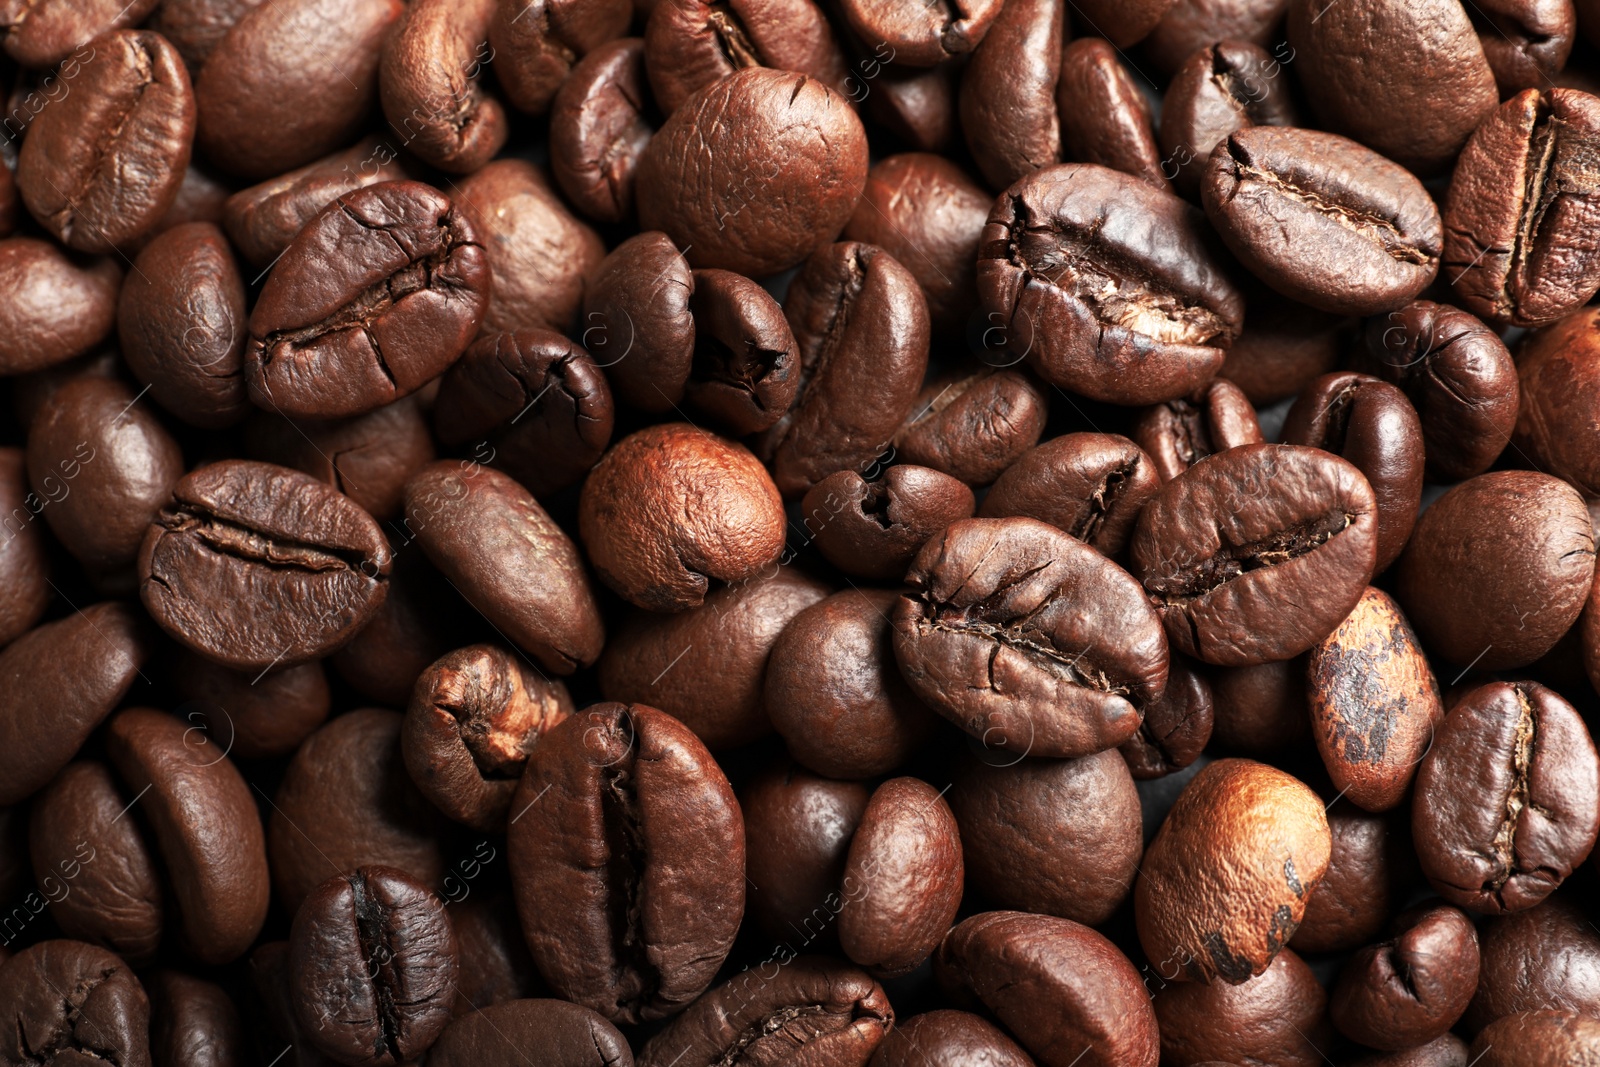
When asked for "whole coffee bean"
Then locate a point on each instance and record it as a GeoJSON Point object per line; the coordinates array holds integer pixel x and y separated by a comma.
{"type": "Point", "coordinates": [423, 617]}
{"type": "Point", "coordinates": [1062, 989]}
{"type": "Point", "coordinates": [539, 253]}
{"type": "Point", "coordinates": [538, 53]}
{"type": "Point", "coordinates": [36, 38]}
{"type": "Point", "coordinates": [1090, 485]}
{"type": "Point", "coordinates": [754, 172]}
{"type": "Point", "coordinates": [1222, 87]}
{"type": "Point", "coordinates": [346, 801]}
{"type": "Point", "coordinates": [373, 962]}
{"type": "Point", "coordinates": [271, 983]}
{"type": "Point", "coordinates": [193, 1023]}
{"type": "Point", "coordinates": [1498, 569]}
{"type": "Point", "coordinates": [1557, 391]}
{"type": "Point", "coordinates": [1539, 1039]}
{"type": "Point", "coordinates": [539, 402]}
{"type": "Point", "coordinates": [1420, 102]}
{"type": "Point", "coordinates": [1105, 119]}
{"type": "Point", "coordinates": [919, 105]}
{"type": "Point", "coordinates": [1519, 208]}
{"type": "Point", "coordinates": [1526, 42]}
{"type": "Point", "coordinates": [927, 37]}
{"type": "Point", "coordinates": [200, 198]}
{"type": "Point", "coordinates": [640, 821]}
{"type": "Point", "coordinates": [745, 371]}
{"type": "Point", "coordinates": [1225, 882]}
{"type": "Point", "coordinates": [600, 123]}
{"type": "Point", "coordinates": [692, 43]}
{"type": "Point", "coordinates": [798, 827]}
{"type": "Point", "coordinates": [79, 667]}
{"type": "Point", "coordinates": [1028, 639]}
{"type": "Point", "coordinates": [196, 27]}
{"type": "Point", "coordinates": [1190, 25]}
{"type": "Point", "coordinates": [1123, 23]}
{"type": "Point", "coordinates": [107, 1017]}
{"type": "Point", "coordinates": [1097, 295]}
{"type": "Point", "coordinates": [60, 306]}
{"type": "Point", "coordinates": [1322, 219]}
{"type": "Point", "coordinates": [255, 565]}
{"type": "Point", "coordinates": [637, 322]}
{"type": "Point", "coordinates": [1283, 347]}
{"type": "Point", "coordinates": [1260, 710]}
{"type": "Point", "coordinates": [475, 716]}
{"type": "Point", "coordinates": [1279, 1017]}
{"type": "Point", "coordinates": [556, 1033]}
{"type": "Point", "coordinates": [1545, 956]}
{"type": "Point", "coordinates": [1412, 988]}
{"type": "Point", "coordinates": [1180, 433]}
{"type": "Point", "coordinates": [861, 325]}
{"type": "Point", "coordinates": [24, 563]}
{"type": "Point", "coordinates": [1508, 798]}
{"type": "Point", "coordinates": [1007, 98]}
{"type": "Point", "coordinates": [672, 507]}
{"type": "Point", "coordinates": [1353, 902]}
{"type": "Point", "coordinates": [247, 715]}
{"type": "Point", "coordinates": [428, 81]}
{"type": "Point", "coordinates": [1256, 553]}
{"type": "Point", "coordinates": [972, 426]}
{"type": "Point", "coordinates": [873, 529]}
{"type": "Point", "coordinates": [1374, 703]}
{"type": "Point", "coordinates": [952, 1038]}
{"type": "Point", "coordinates": [378, 295]}
{"type": "Point", "coordinates": [1055, 837]}
{"type": "Point", "coordinates": [495, 966]}
{"type": "Point", "coordinates": [508, 559]}
{"type": "Point", "coordinates": [292, 81]}
{"type": "Point", "coordinates": [1460, 378]}
{"type": "Point", "coordinates": [1176, 728]}
{"type": "Point", "coordinates": [1446, 1051]}
{"type": "Point", "coordinates": [181, 320]}
{"type": "Point", "coordinates": [263, 219]}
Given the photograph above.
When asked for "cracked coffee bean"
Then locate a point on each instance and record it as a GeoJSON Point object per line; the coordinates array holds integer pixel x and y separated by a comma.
{"type": "Point", "coordinates": [690, 44]}
{"type": "Point", "coordinates": [540, 40]}
{"type": "Point", "coordinates": [552, 1033]}
{"type": "Point", "coordinates": [1090, 485]}
{"type": "Point", "coordinates": [68, 1002]}
{"type": "Point", "coordinates": [1180, 433]}
{"type": "Point", "coordinates": [973, 426]}
{"type": "Point", "coordinates": [1410, 989]}
{"type": "Point", "coordinates": [601, 122]}
{"type": "Point", "coordinates": [744, 372]}
{"type": "Point", "coordinates": [1225, 86]}
{"type": "Point", "coordinates": [1545, 956]}
{"type": "Point", "coordinates": [873, 529]}
{"type": "Point", "coordinates": [1557, 392]}
{"type": "Point", "coordinates": [1278, 1017]}
{"type": "Point", "coordinates": [1176, 728]}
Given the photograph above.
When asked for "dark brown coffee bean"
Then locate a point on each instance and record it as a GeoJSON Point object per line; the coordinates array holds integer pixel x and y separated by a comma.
{"type": "Point", "coordinates": [1260, 710]}
{"type": "Point", "coordinates": [951, 1038]}
{"type": "Point", "coordinates": [271, 983]}
{"type": "Point", "coordinates": [1353, 901]}
{"type": "Point", "coordinates": [923, 37]}
{"type": "Point", "coordinates": [193, 1023]}
{"type": "Point", "coordinates": [495, 965]}
{"type": "Point", "coordinates": [920, 106]}
{"type": "Point", "coordinates": [1546, 956]}
{"type": "Point", "coordinates": [600, 123]}
{"type": "Point", "coordinates": [1283, 347]}
{"type": "Point", "coordinates": [539, 402]}
{"type": "Point", "coordinates": [106, 1017]}
{"type": "Point", "coordinates": [1076, 277]}
{"type": "Point", "coordinates": [42, 38]}
{"type": "Point", "coordinates": [873, 529]}
{"type": "Point", "coordinates": [1538, 1039]}
{"type": "Point", "coordinates": [1526, 42]}
{"type": "Point", "coordinates": [24, 564]}
{"type": "Point", "coordinates": [1412, 988]}
{"type": "Point", "coordinates": [1090, 485]}
{"type": "Point", "coordinates": [640, 821]}
{"type": "Point", "coordinates": [973, 426]}
{"type": "Point", "coordinates": [1124, 23]}
{"type": "Point", "coordinates": [637, 323]}
{"type": "Point", "coordinates": [475, 716]}
{"type": "Point", "coordinates": [1176, 728]}
{"type": "Point", "coordinates": [1446, 1051]}
{"type": "Point", "coordinates": [1508, 798]}
{"type": "Point", "coordinates": [377, 296]}
{"type": "Point", "coordinates": [423, 617]}
{"type": "Point", "coordinates": [1007, 97]}
{"type": "Point", "coordinates": [1190, 25]}
{"type": "Point", "coordinates": [1556, 386]}
{"type": "Point", "coordinates": [1222, 87]}
{"type": "Point", "coordinates": [60, 306]}
{"type": "Point", "coordinates": [1180, 433]}
{"type": "Point", "coordinates": [1225, 882]}
{"type": "Point", "coordinates": [1498, 569]}
{"type": "Point", "coordinates": [428, 80]}
{"type": "Point", "coordinates": [1279, 1017]}
{"type": "Point", "coordinates": [196, 27]}
{"type": "Point", "coordinates": [373, 962]}
{"type": "Point", "coordinates": [1322, 219]}
{"type": "Point", "coordinates": [251, 716]}
{"type": "Point", "coordinates": [538, 41]}
{"type": "Point", "coordinates": [1105, 119]}
{"type": "Point", "coordinates": [554, 1032]}
{"type": "Point", "coordinates": [745, 372]}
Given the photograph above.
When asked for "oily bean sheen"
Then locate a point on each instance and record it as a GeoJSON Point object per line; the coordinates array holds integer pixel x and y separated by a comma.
{"type": "Point", "coordinates": [24, 564]}
{"type": "Point", "coordinates": [1180, 433]}
{"type": "Point", "coordinates": [640, 823]}
{"type": "Point", "coordinates": [105, 1018]}
{"type": "Point", "coordinates": [924, 35]}
{"type": "Point", "coordinates": [798, 827]}
{"type": "Point", "coordinates": [1007, 97]}
{"type": "Point", "coordinates": [637, 323]}
{"type": "Point", "coordinates": [551, 1033]}
{"type": "Point", "coordinates": [815, 1010]}
{"type": "Point", "coordinates": [196, 27]}
{"type": "Point", "coordinates": [255, 565]}
{"type": "Point", "coordinates": [1177, 728]}
{"type": "Point", "coordinates": [873, 529]}
{"type": "Point", "coordinates": [42, 35]}
{"type": "Point", "coordinates": [745, 371]}
{"type": "Point", "coordinates": [1028, 639]}
{"type": "Point", "coordinates": [1256, 553]}
{"type": "Point", "coordinates": [537, 42]}
{"type": "Point", "coordinates": [1225, 882]}
{"type": "Point", "coordinates": [102, 166]}
{"type": "Point", "coordinates": [1558, 391]}
{"type": "Point", "coordinates": [1526, 42]}
{"type": "Point", "coordinates": [1105, 119]}
{"type": "Point", "coordinates": [428, 82]}
{"type": "Point", "coordinates": [1096, 295]}
{"type": "Point", "coordinates": [58, 306]}
{"type": "Point", "coordinates": [950, 1038]}
{"type": "Point", "coordinates": [1522, 205]}
{"type": "Point", "coordinates": [600, 124]}
{"type": "Point", "coordinates": [1223, 87]}
{"type": "Point", "coordinates": [1412, 988]}
{"type": "Point", "coordinates": [375, 297]}
{"type": "Point", "coordinates": [1322, 219]}
{"type": "Point", "coordinates": [1539, 1039]}
{"type": "Point", "coordinates": [1090, 485]}
{"type": "Point", "coordinates": [1546, 956]}
{"type": "Point", "coordinates": [974, 426]}
{"type": "Point", "coordinates": [1508, 798]}
{"type": "Point", "coordinates": [1278, 1017]}
{"type": "Point", "coordinates": [372, 959]}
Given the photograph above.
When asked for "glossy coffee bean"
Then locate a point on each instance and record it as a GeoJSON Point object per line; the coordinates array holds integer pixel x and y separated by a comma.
{"type": "Point", "coordinates": [920, 105]}
{"type": "Point", "coordinates": [1028, 639]}
{"type": "Point", "coordinates": [1284, 345]}
{"type": "Point", "coordinates": [1412, 988]}
{"type": "Point", "coordinates": [24, 565]}
{"type": "Point", "coordinates": [422, 618]}
{"type": "Point", "coordinates": [1261, 710]}
{"type": "Point", "coordinates": [61, 306]}
{"type": "Point", "coordinates": [637, 780]}
{"type": "Point", "coordinates": [373, 962]}
{"type": "Point", "coordinates": [923, 38]}
{"type": "Point", "coordinates": [1279, 1016]}
{"type": "Point", "coordinates": [557, 1033]}
{"type": "Point", "coordinates": [1190, 25]}
{"type": "Point", "coordinates": [691, 44]}
{"type": "Point", "coordinates": [1556, 390]}
{"type": "Point", "coordinates": [602, 120]}
{"type": "Point", "coordinates": [539, 51]}
{"type": "Point", "coordinates": [1007, 97]}
{"type": "Point", "coordinates": [1256, 553]}
{"type": "Point", "coordinates": [1354, 900]}
{"type": "Point", "coordinates": [1538, 1039]}
{"type": "Point", "coordinates": [1176, 728]}
{"type": "Point", "coordinates": [745, 372]}
{"type": "Point", "coordinates": [873, 529]}
{"type": "Point", "coordinates": [972, 426]}
{"type": "Point", "coordinates": [1180, 433]}
{"type": "Point", "coordinates": [637, 323]}
{"type": "Point", "coordinates": [1226, 880]}
{"type": "Point", "coordinates": [44, 38]}
{"type": "Point", "coordinates": [1090, 485]}
{"type": "Point", "coordinates": [196, 27]}
{"type": "Point", "coordinates": [193, 1023]}
{"type": "Point", "coordinates": [1532, 808]}
{"type": "Point", "coordinates": [1224, 86]}
{"type": "Point", "coordinates": [798, 827]}
{"type": "Point", "coordinates": [1105, 119]}
{"type": "Point", "coordinates": [250, 715]}
{"type": "Point", "coordinates": [1446, 1051]}
{"type": "Point", "coordinates": [955, 1038]}
{"type": "Point", "coordinates": [428, 81]}
{"type": "Point", "coordinates": [1547, 956]}
{"type": "Point", "coordinates": [1527, 42]}
{"type": "Point", "coordinates": [110, 1013]}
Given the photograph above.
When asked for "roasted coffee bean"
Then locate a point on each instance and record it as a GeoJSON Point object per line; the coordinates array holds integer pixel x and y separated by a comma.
{"type": "Point", "coordinates": [553, 1032]}
{"type": "Point", "coordinates": [1521, 203]}
{"type": "Point", "coordinates": [1090, 485]}
{"type": "Point", "coordinates": [373, 962]}
{"type": "Point", "coordinates": [428, 81]}
{"type": "Point", "coordinates": [861, 325]}
{"type": "Point", "coordinates": [1055, 837]}
{"type": "Point", "coordinates": [925, 37]}
{"type": "Point", "coordinates": [1007, 97]}
{"type": "Point", "coordinates": [1446, 1051]}
{"type": "Point", "coordinates": [798, 827]}
{"type": "Point", "coordinates": [105, 1017]}
{"type": "Point", "coordinates": [43, 38]}
{"type": "Point", "coordinates": [671, 508]}
{"type": "Point", "coordinates": [1322, 219]}
{"type": "Point", "coordinates": [1176, 728]}
{"type": "Point", "coordinates": [1460, 378]}
{"type": "Point", "coordinates": [1225, 882]}
{"type": "Point", "coordinates": [1283, 347]}
{"type": "Point", "coordinates": [269, 973]}
{"type": "Point", "coordinates": [538, 41]}
{"type": "Point", "coordinates": [1498, 569]}
{"type": "Point", "coordinates": [1180, 433]}
{"type": "Point", "coordinates": [973, 426]}
{"type": "Point", "coordinates": [249, 715]}
{"type": "Point", "coordinates": [690, 44]}
{"type": "Point", "coordinates": [25, 566]}
{"type": "Point", "coordinates": [1556, 391]}
{"type": "Point", "coordinates": [1416, 105]}
{"type": "Point", "coordinates": [640, 820]}
{"type": "Point", "coordinates": [196, 27]}
{"type": "Point", "coordinates": [873, 529]}
{"type": "Point", "coordinates": [291, 82]}
{"type": "Point", "coordinates": [1224, 86]}
{"type": "Point", "coordinates": [745, 371]}
{"type": "Point", "coordinates": [193, 1023]}
{"type": "Point", "coordinates": [1279, 1017]}
{"type": "Point", "coordinates": [1190, 25]}
{"type": "Point", "coordinates": [952, 1038]}
{"type": "Point", "coordinates": [1539, 1039]}
{"type": "Point", "coordinates": [1063, 990]}
{"type": "Point", "coordinates": [637, 322]}
{"type": "Point", "coordinates": [1256, 553]}
{"type": "Point", "coordinates": [495, 965]}
{"type": "Point", "coordinates": [539, 402]}
{"type": "Point", "coordinates": [1526, 42]}
{"type": "Point", "coordinates": [1123, 23]}
{"type": "Point", "coordinates": [79, 667]}
{"type": "Point", "coordinates": [1261, 710]}
{"type": "Point", "coordinates": [200, 198]}
{"type": "Point", "coordinates": [474, 717]}
{"type": "Point", "coordinates": [600, 123]}
{"type": "Point", "coordinates": [1412, 988]}
{"type": "Point", "coordinates": [1353, 902]}
{"type": "Point", "coordinates": [60, 306]}
{"type": "Point", "coordinates": [1105, 119]}
{"type": "Point", "coordinates": [1508, 798]}
{"type": "Point", "coordinates": [1547, 956]}
{"type": "Point", "coordinates": [423, 617]}
{"type": "Point", "coordinates": [920, 106]}
{"type": "Point", "coordinates": [1028, 639]}
{"type": "Point", "coordinates": [1078, 277]}
{"type": "Point", "coordinates": [755, 172]}
{"type": "Point", "coordinates": [377, 296]}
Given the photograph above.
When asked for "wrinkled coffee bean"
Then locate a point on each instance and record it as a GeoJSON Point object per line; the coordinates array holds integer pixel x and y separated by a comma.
{"type": "Point", "coordinates": [538, 41]}
{"type": "Point", "coordinates": [106, 1016]}
{"type": "Point", "coordinates": [1547, 956]}
{"type": "Point", "coordinates": [556, 1033]}
{"type": "Point", "coordinates": [1222, 87]}
{"type": "Point", "coordinates": [600, 124]}
{"type": "Point", "coordinates": [1105, 119]}
{"type": "Point", "coordinates": [1412, 988]}
{"type": "Point", "coordinates": [1176, 728]}
{"type": "Point", "coordinates": [1180, 433]}
{"type": "Point", "coordinates": [690, 44]}
{"type": "Point", "coordinates": [745, 371]}
{"type": "Point", "coordinates": [1090, 485]}
{"type": "Point", "coordinates": [973, 426]}
{"type": "Point", "coordinates": [873, 529]}
{"type": "Point", "coordinates": [429, 85]}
